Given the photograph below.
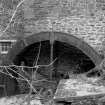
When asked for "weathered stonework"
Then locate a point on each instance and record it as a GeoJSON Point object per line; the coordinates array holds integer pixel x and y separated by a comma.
{"type": "Point", "coordinates": [85, 20]}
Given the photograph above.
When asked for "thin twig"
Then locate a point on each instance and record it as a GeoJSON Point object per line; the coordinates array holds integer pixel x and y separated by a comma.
{"type": "Point", "coordinates": [22, 68]}
{"type": "Point", "coordinates": [37, 66]}
{"type": "Point", "coordinates": [28, 81]}
{"type": "Point", "coordinates": [8, 71]}
{"type": "Point", "coordinates": [12, 76]}
{"type": "Point", "coordinates": [35, 63]}
{"type": "Point", "coordinates": [18, 73]}
{"type": "Point", "coordinates": [12, 16]}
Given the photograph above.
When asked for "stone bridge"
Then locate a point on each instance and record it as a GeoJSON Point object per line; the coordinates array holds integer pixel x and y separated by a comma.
{"type": "Point", "coordinates": [81, 24]}
{"type": "Point", "coordinates": [78, 23]}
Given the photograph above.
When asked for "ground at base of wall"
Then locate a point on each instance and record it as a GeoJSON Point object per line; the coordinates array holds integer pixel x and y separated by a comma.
{"type": "Point", "coordinates": [23, 99]}
{"type": "Point", "coordinates": [20, 100]}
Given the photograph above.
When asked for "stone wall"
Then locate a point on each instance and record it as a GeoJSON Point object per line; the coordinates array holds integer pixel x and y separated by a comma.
{"type": "Point", "coordinates": [82, 18]}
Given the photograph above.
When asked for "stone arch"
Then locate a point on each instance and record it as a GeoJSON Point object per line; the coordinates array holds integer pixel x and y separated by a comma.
{"type": "Point", "coordinates": [59, 36]}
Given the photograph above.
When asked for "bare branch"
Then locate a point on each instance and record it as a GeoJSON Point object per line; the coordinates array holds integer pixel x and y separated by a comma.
{"type": "Point", "coordinates": [8, 72]}
{"type": "Point", "coordinates": [17, 73]}
{"type": "Point", "coordinates": [33, 67]}
{"type": "Point", "coordinates": [13, 15]}
{"type": "Point", "coordinates": [33, 75]}
{"type": "Point", "coordinates": [25, 79]}
{"type": "Point", "coordinates": [11, 76]}
{"type": "Point", "coordinates": [36, 62]}
{"type": "Point", "coordinates": [22, 69]}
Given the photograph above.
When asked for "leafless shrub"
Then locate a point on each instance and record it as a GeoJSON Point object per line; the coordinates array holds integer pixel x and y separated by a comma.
{"type": "Point", "coordinates": [31, 79]}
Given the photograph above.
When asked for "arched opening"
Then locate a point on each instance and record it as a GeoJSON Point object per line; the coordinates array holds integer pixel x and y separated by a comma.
{"type": "Point", "coordinates": [68, 57]}
{"type": "Point", "coordinates": [58, 36]}
{"type": "Point", "coordinates": [71, 55]}
{"type": "Point", "coordinates": [69, 60]}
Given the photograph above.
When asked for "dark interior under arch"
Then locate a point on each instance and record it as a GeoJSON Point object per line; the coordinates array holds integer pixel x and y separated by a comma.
{"type": "Point", "coordinates": [68, 58]}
